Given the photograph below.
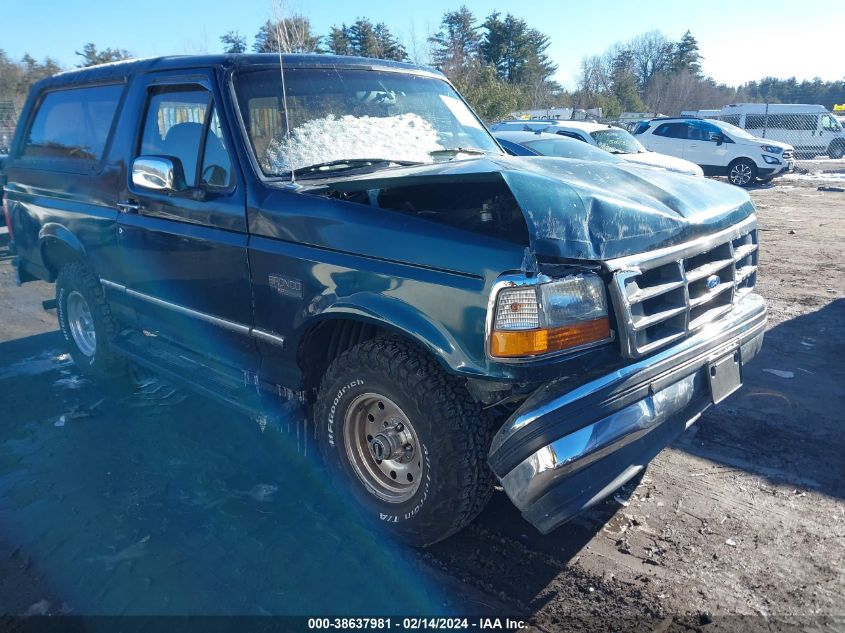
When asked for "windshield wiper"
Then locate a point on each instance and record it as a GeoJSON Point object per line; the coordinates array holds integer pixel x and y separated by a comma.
{"type": "Point", "coordinates": [349, 163]}
{"type": "Point", "coordinates": [454, 151]}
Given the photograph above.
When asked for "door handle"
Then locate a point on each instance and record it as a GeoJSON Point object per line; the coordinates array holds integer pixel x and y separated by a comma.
{"type": "Point", "coordinates": [129, 206]}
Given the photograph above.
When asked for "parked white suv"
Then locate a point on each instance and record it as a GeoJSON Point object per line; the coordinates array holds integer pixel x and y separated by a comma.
{"type": "Point", "coordinates": [607, 137]}
{"type": "Point", "coordinates": [721, 149]}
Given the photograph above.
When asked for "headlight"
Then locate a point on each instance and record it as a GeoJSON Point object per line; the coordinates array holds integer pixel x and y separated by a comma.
{"type": "Point", "coordinates": [771, 149]}
{"type": "Point", "coordinates": [532, 320]}
{"type": "Point", "coordinates": [771, 160]}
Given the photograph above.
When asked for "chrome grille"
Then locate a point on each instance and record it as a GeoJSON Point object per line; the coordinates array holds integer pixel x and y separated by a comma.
{"type": "Point", "coordinates": [787, 155]}
{"type": "Point", "coordinates": [663, 296]}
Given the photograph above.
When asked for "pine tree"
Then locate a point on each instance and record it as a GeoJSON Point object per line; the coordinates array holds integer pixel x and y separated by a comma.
{"type": "Point", "coordinates": [233, 42]}
{"type": "Point", "coordinates": [389, 46]}
{"type": "Point", "coordinates": [338, 41]}
{"type": "Point", "coordinates": [362, 38]}
{"type": "Point", "coordinates": [687, 56]}
{"type": "Point", "coordinates": [456, 43]}
{"type": "Point", "coordinates": [92, 57]}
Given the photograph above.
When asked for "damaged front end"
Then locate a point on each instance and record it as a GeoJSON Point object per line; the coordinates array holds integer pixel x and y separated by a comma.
{"type": "Point", "coordinates": [571, 210]}
{"type": "Point", "coordinates": [662, 265]}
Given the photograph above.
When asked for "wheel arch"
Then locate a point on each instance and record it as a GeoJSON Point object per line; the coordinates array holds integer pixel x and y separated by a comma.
{"type": "Point", "coordinates": [340, 328]}
{"type": "Point", "coordinates": [835, 146]}
{"type": "Point", "coordinates": [59, 246]}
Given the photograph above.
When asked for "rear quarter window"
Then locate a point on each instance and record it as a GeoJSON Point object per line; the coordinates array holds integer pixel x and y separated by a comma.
{"type": "Point", "coordinates": [72, 126]}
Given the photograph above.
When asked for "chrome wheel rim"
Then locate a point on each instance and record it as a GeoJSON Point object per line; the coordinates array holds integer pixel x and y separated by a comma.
{"type": "Point", "coordinates": [383, 448]}
{"type": "Point", "coordinates": [81, 323]}
{"type": "Point", "coordinates": [741, 174]}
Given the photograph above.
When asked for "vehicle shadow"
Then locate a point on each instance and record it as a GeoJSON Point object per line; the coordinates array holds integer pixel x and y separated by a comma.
{"type": "Point", "coordinates": [156, 501]}
{"type": "Point", "coordinates": [786, 422]}
{"type": "Point", "coordinates": [172, 504]}
{"type": "Point", "coordinates": [786, 430]}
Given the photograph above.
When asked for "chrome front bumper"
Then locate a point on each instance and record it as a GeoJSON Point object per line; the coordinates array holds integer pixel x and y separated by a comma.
{"type": "Point", "coordinates": [567, 448]}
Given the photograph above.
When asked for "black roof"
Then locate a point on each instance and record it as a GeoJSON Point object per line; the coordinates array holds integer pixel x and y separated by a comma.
{"type": "Point", "coordinates": [122, 70]}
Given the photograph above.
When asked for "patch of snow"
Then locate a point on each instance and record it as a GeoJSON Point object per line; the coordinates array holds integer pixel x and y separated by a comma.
{"type": "Point", "coordinates": [42, 607]}
{"type": "Point", "coordinates": [817, 176]}
{"type": "Point", "coordinates": [262, 492]}
{"type": "Point", "coordinates": [780, 373]}
{"type": "Point", "coordinates": [35, 365]}
{"type": "Point", "coordinates": [71, 382]}
{"type": "Point", "coordinates": [401, 137]}
{"type": "Point", "coordinates": [61, 421]}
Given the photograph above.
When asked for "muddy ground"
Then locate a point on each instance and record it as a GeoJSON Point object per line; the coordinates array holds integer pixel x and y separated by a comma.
{"type": "Point", "coordinates": [157, 502]}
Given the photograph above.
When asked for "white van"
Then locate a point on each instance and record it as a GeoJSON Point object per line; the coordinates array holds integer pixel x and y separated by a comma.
{"type": "Point", "coordinates": [811, 129]}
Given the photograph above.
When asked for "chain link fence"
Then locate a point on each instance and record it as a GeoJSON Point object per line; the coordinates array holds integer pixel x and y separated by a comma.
{"type": "Point", "coordinates": [811, 129]}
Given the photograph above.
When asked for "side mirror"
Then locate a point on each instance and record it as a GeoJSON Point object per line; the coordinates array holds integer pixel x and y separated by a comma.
{"type": "Point", "coordinates": [719, 138]}
{"type": "Point", "coordinates": [159, 173]}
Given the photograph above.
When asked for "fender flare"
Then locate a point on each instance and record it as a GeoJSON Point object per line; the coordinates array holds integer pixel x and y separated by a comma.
{"type": "Point", "coordinates": [404, 320]}
{"type": "Point", "coordinates": [54, 231]}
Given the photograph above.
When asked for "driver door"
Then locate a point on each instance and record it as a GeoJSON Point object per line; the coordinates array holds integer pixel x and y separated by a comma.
{"type": "Point", "coordinates": [702, 146]}
{"type": "Point", "coordinates": [184, 253]}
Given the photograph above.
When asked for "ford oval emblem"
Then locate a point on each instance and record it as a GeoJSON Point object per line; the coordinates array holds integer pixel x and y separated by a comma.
{"type": "Point", "coordinates": [713, 281]}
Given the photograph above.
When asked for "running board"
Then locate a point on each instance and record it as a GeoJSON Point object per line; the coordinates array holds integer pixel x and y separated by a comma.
{"type": "Point", "coordinates": [178, 367]}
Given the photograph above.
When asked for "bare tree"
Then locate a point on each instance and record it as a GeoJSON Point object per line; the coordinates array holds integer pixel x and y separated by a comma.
{"type": "Point", "coordinates": [651, 53]}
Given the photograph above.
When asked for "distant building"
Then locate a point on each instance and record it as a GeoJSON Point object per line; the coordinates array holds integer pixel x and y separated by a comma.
{"type": "Point", "coordinates": [558, 114]}
{"type": "Point", "coordinates": [564, 114]}
{"type": "Point", "coordinates": [702, 114]}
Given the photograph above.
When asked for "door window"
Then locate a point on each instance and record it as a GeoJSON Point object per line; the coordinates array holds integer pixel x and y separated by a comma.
{"type": "Point", "coordinates": [701, 131]}
{"type": "Point", "coordinates": [672, 130]}
{"type": "Point", "coordinates": [182, 123]}
{"type": "Point", "coordinates": [830, 124]}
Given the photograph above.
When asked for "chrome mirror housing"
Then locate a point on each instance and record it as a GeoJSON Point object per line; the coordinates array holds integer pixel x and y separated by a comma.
{"type": "Point", "coordinates": [160, 173]}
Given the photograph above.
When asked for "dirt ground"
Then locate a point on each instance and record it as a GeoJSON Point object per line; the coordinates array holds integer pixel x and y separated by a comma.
{"type": "Point", "coordinates": [158, 502]}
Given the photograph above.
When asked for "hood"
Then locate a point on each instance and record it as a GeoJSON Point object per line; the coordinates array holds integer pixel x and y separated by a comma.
{"type": "Point", "coordinates": [655, 159]}
{"type": "Point", "coordinates": [576, 209]}
{"type": "Point", "coordinates": [767, 141]}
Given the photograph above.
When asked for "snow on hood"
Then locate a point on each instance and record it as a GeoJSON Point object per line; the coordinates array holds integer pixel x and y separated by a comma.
{"type": "Point", "coordinates": [578, 209]}
{"type": "Point", "coordinates": [664, 161]}
{"type": "Point", "coordinates": [401, 137]}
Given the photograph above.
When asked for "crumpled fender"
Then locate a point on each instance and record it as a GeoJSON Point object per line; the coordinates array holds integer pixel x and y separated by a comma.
{"type": "Point", "coordinates": [403, 318]}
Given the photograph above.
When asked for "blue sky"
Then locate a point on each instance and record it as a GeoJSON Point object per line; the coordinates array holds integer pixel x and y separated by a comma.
{"type": "Point", "coordinates": [740, 40]}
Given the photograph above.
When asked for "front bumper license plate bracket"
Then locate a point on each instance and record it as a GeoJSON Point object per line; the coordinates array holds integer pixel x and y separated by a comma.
{"type": "Point", "coordinates": [725, 376]}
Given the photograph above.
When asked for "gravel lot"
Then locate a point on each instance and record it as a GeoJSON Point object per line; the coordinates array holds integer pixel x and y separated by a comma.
{"type": "Point", "coordinates": [158, 502]}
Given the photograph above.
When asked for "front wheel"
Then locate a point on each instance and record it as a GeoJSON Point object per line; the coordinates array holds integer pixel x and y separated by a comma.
{"type": "Point", "coordinates": [836, 150]}
{"type": "Point", "coordinates": [742, 172]}
{"type": "Point", "coordinates": [407, 438]}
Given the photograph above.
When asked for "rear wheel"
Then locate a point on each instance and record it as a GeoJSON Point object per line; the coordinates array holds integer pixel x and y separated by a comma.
{"type": "Point", "coordinates": [406, 437]}
{"type": "Point", "coordinates": [742, 172]}
{"type": "Point", "coordinates": [86, 322]}
{"type": "Point", "coordinates": [836, 150]}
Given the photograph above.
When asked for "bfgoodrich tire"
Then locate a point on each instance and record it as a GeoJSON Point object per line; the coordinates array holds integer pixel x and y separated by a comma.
{"type": "Point", "coordinates": [742, 172]}
{"type": "Point", "coordinates": [86, 322]}
{"type": "Point", "coordinates": [407, 438]}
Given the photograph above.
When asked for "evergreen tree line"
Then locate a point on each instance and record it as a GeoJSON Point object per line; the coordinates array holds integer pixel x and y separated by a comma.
{"type": "Point", "coordinates": [500, 64]}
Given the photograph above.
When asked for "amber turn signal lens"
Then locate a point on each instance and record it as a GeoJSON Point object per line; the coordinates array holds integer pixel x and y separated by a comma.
{"type": "Point", "coordinates": [511, 344]}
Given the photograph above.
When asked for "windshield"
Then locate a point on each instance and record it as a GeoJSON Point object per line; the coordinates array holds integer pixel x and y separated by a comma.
{"type": "Point", "coordinates": [570, 148]}
{"type": "Point", "coordinates": [731, 130]}
{"type": "Point", "coordinates": [617, 141]}
{"type": "Point", "coordinates": [338, 115]}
